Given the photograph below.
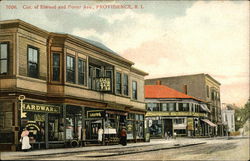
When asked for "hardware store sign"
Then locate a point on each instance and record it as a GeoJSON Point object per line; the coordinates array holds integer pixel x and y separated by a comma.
{"type": "Point", "coordinates": [41, 108]}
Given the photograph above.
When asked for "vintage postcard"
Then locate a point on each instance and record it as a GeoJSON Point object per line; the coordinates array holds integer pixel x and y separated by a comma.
{"type": "Point", "coordinates": [124, 80]}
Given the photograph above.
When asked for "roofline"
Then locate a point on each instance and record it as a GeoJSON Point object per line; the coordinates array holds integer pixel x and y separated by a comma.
{"type": "Point", "coordinates": [138, 71]}
{"type": "Point", "coordinates": [187, 76]}
{"type": "Point", "coordinates": [190, 97]}
{"type": "Point", "coordinates": [23, 25]}
{"type": "Point", "coordinates": [37, 30]}
{"type": "Point", "coordinates": [207, 75]}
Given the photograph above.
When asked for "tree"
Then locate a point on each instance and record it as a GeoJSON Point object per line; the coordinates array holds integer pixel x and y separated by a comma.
{"type": "Point", "coordinates": [242, 115]}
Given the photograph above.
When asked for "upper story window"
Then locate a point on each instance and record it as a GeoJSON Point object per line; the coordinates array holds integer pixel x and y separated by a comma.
{"type": "Point", "coordinates": [81, 71]}
{"type": "Point", "coordinates": [134, 90]}
{"type": "Point", "coordinates": [70, 69]}
{"type": "Point", "coordinates": [172, 106]}
{"type": "Point", "coordinates": [56, 67]}
{"type": "Point", "coordinates": [4, 58]}
{"type": "Point", "coordinates": [183, 107]}
{"type": "Point", "coordinates": [33, 62]}
{"type": "Point", "coordinates": [152, 106]}
{"type": "Point", "coordinates": [118, 83]}
{"type": "Point", "coordinates": [125, 84]}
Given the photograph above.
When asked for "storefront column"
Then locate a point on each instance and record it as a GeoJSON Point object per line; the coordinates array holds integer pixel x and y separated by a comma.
{"type": "Point", "coordinates": [64, 123]}
{"type": "Point", "coordinates": [83, 126]}
{"type": "Point", "coordinates": [46, 131]}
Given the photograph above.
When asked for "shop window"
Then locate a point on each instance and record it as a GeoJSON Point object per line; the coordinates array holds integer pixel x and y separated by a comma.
{"type": "Point", "coordinates": [33, 62]}
{"type": "Point", "coordinates": [172, 107]}
{"type": "Point", "coordinates": [125, 84]}
{"type": "Point", "coordinates": [139, 129]}
{"type": "Point", "coordinates": [4, 58]}
{"type": "Point", "coordinates": [56, 67]}
{"type": "Point", "coordinates": [81, 71]}
{"type": "Point", "coordinates": [134, 90]}
{"type": "Point", "coordinates": [153, 106]}
{"type": "Point", "coordinates": [130, 129]}
{"type": "Point", "coordinates": [179, 121]}
{"type": "Point", "coordinates": [155, 128]}
{"type": "Point", "coordinates": [70, 69]}
{"type": "Point", "coordinates": [73, 122]}
{"type": "Point", "coordinates": [56, 127]}
{"type": "Point", "coordinates": [118, 83]}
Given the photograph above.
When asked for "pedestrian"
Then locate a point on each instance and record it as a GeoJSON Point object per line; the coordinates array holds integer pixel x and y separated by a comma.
{"type": "Point", "coordinates": [100, 133]}
{"type": "Point", "coordinates": [25, 140]}
{"type": "Point", "coordinates": [123, 135]}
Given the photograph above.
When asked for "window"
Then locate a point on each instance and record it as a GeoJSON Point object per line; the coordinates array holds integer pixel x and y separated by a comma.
{"type": "Point", "coordinates": [118, 83]}
{"type": "Point", "coordinates": [179, 121]}
{"type": "Point", "coordinates": [56, 67]}
{"type": "Point", "coordinates": [153, 106]}
{"type": "Point", "coordinates": [134, 90]}
{"type": "Point", "coordinates": [33, 67]}
{"type": "Point", "coordinates": [70, 69]}
{"type": "Point", "coordinates": [183, 107]}
{"type": "Point", "coordinates": [81, 71]}
{"type": "Point", "coordinates": [4, 58]}
{"type": "Point", "coordinates": [164, 107]}
{"type": "Point", "coordinates": [172, 106]}
{"type": "Point", "coordinates": [125, 84]}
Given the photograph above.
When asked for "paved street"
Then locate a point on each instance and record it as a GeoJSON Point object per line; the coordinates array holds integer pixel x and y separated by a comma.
{"type": "Point", "coordinates": [179, 149]}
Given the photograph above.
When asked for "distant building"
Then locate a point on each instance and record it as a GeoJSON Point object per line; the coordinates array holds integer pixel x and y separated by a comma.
{"type": "Point", "coordinates": [201, 86]}
{"type": "Point", "coordinates": [170, 111]}
{"type": "Point", "coordinates": [228, 118]}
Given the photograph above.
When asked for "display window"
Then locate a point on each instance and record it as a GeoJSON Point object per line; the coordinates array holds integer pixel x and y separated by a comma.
{"type": "Point", "coordinates": [155, 128]}
{"type": "Point", "coordinates": [73, 122]}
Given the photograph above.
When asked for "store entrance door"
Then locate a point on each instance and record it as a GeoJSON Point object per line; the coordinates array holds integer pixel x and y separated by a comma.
{"type": "Point", "coordinates": [92, 127]}
{"type": "Point", "coordinates": [168, 127]}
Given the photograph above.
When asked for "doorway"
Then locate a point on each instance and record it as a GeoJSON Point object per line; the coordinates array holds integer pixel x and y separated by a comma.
{"type": "Point", "coordinates": [168, 127]}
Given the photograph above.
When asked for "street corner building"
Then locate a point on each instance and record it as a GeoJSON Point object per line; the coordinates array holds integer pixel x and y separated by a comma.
{"type": "Point", "coordinates": [64, 88]}
{"type": "Point", "coordinates": [172, 113]}
{"type": "Point", "coordinates": [202, 87]}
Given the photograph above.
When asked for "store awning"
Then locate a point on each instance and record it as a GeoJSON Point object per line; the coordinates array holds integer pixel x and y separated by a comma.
{"type": "Point", "coordinates": [205, 108]}
{"type": "Point", "coordinates": [209, 122]}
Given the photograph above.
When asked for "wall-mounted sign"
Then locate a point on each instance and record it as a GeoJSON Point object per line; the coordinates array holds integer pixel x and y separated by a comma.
{"type": "Point", "coordinates": [95, 114]}
{"type": "Point", "coordinates": [104, 83]}
{"type": "Point", "coordinates": [40, 108]}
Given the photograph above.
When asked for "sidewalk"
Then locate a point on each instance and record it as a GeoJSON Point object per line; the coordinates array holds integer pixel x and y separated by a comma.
{"type": "Point", "coordinates": [172, 143]}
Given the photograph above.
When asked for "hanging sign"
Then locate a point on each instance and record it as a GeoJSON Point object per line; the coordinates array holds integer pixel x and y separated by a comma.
{"type": "Point", "coordinates": [104, 84]}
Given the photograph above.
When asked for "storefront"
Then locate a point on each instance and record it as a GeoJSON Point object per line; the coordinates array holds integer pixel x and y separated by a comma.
{"type": "Point", "coordinates": [60, 125]}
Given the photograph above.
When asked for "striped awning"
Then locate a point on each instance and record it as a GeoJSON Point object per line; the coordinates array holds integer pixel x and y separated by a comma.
{"type": "Point", "coordinates": [209, 122]}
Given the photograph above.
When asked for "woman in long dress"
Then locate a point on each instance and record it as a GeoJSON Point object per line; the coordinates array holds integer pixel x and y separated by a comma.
{"type": "Point", "coordinates": [25, 140]}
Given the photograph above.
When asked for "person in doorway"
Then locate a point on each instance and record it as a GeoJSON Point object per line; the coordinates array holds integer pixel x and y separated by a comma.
{"type": "Point", "coordinates": [100, 133]}
{"type": "Point", "coordinates": [123, 138]}
{"type": "Point", "coordinates": [25, 140]}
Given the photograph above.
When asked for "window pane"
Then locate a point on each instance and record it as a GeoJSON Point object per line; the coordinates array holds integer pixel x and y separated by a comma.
{"type": "Point", "coordinates": [3, 66]}
{"type": "Point", "coordinates": [56, 67]}
{"type": "Point", "coordinates": [118, 82]}
{"type": "Point", "coordinates": [134, 90]}
{"type": "Point", "coordinates": [33, 62]}
{"type": "Point", "coordinates": [81, 66]}
{"type": "Point", "coordinates": [4, 50]}
{"type": "Point", "coordinates": [125, 84]}
{"type": "Point", "coordinates": [70, 69]}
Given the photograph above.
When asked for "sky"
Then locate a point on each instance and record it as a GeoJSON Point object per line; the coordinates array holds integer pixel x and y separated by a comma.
{"type": "Point", "coordinates": [163, 38]}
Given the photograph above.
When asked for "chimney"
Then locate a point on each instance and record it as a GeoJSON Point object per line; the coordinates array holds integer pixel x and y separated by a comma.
{"type": "Point", "coordinates": [158, 82]}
